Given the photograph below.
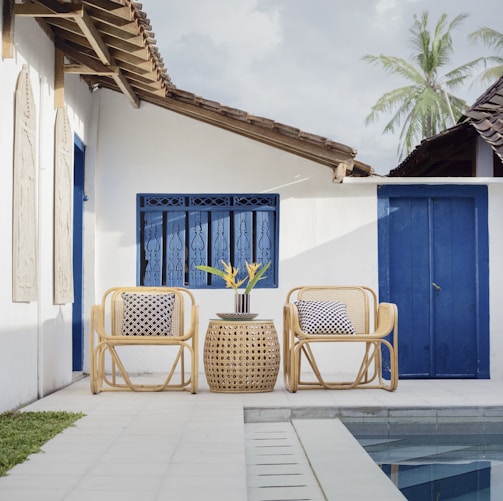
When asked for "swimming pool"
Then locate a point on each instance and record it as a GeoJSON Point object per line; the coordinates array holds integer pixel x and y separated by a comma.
{"type": "Point", "coordinates": [441, 467]}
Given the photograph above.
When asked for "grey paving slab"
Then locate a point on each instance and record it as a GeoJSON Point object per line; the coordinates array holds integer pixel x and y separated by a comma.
{"type": "Point", "coordinates": [169, 445]}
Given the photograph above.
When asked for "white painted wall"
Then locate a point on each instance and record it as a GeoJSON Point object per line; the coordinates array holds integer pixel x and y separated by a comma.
{"type": "Point", "coordinates": [484, 158]}
{"type": "Point", "coordinates": [328, 232]}
{"type": "Point", "coordinates": [35, 338]}
{"type": "Point", "coordinates": [495, 278]}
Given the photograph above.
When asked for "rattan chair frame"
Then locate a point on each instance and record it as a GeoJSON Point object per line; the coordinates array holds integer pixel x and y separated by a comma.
{"type": "Point", "coordinates": [106, 337]}
{"type": "Point", "coordinates": [376, 326]}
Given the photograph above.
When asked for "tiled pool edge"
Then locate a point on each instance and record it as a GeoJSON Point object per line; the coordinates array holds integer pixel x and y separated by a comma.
{"type": "Point", "coordinates": [391, 421]}
{"type": "Point", "coordinates": [328, 435]}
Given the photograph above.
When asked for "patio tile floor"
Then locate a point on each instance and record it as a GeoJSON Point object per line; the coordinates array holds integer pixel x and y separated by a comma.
{"type": "Point", "coordinates": [184, 447]}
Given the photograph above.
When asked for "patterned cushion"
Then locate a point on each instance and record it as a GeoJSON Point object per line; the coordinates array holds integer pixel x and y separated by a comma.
{"type": "Point", "coordinates": [324, 317]}
{"type": "Point", "coordinates": [147, 314]}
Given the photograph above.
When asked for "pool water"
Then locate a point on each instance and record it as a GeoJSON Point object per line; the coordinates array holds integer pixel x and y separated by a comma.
{"type": "Point", "coordinates": [441, 467]}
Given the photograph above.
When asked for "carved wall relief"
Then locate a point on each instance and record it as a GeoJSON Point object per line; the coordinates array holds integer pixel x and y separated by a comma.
{"type": "Point", "coordinates": [24, 210]}
{"type": "Point", "coordinates": [63, 214]}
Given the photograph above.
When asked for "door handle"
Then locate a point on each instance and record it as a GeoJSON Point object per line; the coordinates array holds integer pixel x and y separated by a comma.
{"type": "Point", "coordinates": [436, 286]}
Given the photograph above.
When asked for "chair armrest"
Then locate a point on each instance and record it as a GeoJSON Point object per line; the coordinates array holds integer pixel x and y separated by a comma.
{"type": "Point", "coordinates": [98, 320]}
{"type": "Point", "coordinates": [387, 319]}
{"type": "Point", "coordinates": [291, 317]}
{"type": "Point", "coordinates": [194, 323]}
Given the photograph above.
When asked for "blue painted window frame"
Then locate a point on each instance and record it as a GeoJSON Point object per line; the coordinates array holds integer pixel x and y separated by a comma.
{"type": "Point", "coordinates": [177, 232]}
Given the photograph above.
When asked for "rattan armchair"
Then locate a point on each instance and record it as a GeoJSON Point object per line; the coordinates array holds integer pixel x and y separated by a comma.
{"type": "Point", "coordinates": [144, 316]}
{"type": "Point", "coordinates": [365, 321]}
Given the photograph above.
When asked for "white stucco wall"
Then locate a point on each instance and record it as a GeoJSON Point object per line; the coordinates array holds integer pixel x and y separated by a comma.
{"type": "Point", "coordinates": [328, 232]}
{"type": "Point", "coordinates": [495, 278]}
{"type": "Point", "coordinates": [35, 338]}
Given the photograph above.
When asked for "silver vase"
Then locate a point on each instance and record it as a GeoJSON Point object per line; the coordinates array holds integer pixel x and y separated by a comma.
{"type": "Point", "coordinates": [242, 303]}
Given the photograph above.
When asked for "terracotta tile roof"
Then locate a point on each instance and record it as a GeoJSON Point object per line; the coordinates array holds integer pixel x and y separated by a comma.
{"type": "Point", "coordinates": [110, 43]}
{"type": "Point", "coordinates": [486, 115]}
{"type": "Point", "coordinates": [447, 151]}
{"type": "Point", "coordinates": [440, 154]}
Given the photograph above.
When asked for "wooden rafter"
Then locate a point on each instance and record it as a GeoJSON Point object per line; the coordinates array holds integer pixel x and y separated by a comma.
{"type": "Point", "coordinates": [91, 33]}
{"type": "Point", "coordinates": [7, 30]}
{"type": "Point", "coordinates": [59, 80]}
{"type": "Point", "coordinates": [84, 34]}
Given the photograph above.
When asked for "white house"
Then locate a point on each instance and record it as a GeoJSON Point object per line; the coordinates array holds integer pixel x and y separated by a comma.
{"type": "Point", "coordinates": [83, 83]}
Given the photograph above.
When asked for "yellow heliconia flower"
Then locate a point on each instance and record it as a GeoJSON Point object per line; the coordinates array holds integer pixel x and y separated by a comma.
{"type": "Point", "coordinates": [252, 269]}
{"type": "Point", "coordinates": [229, 274]}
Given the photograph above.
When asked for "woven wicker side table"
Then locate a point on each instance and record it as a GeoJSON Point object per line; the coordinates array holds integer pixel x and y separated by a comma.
{"type": "Point", "coordinates": [241, 356]}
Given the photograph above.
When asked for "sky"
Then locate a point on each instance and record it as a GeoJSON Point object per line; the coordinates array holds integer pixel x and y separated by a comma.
{"type": "Point", "coordinates": [300, 62]}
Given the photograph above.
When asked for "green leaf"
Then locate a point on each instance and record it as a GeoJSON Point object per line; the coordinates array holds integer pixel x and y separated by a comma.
{"type": "Point", "coordinates": [211, 269]}
{"type": "Point", "coordinates": [256, 278]}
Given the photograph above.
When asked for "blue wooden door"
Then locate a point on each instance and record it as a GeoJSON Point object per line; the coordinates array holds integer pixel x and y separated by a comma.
{"type": "Point", "coordinates": [78, 266]}
{"type": "Point", "coordinates": [433, 262]}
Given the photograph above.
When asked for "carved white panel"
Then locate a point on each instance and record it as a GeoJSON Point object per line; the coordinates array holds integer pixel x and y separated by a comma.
{"type": "Point", "coordinates": [63, 213]}
{"type": "Point", "coordinates": [24, 210]}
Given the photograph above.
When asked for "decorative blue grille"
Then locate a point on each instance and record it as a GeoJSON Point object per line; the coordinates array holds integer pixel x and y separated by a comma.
{"type": "Point", "coordinates": [178, 232]}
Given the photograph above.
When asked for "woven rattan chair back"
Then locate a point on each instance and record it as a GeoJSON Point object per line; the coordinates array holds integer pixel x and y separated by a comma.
{"type": "Point", "coordinates": [117, 310]}
{"type": "Point", "coordinates": [356, 300]}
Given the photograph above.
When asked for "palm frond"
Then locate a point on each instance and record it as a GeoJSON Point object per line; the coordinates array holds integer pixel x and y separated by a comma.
{"type": "Point", "coordinates": [489, 37]}
{"type": "Point", "coordinates": [458, 76]}
{"type": "Point", "coordinates": [396, 66]}
{"type": "Point", "coordinates": [391, 101]}
{"type": "Point", "coordinates": [426, 107]}
{"type": "Point", "coordinates": [492, 74]}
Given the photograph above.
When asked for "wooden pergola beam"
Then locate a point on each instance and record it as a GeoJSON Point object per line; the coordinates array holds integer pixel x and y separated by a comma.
{"type": "Point", "coordinates": [91, 33]}
{"type": "Point", "coordinates": [38, 10]}
{"type": "Point", "coordinates": [59, 79]}
{"type": "Point", "coordinates": [7, 30]}
{"type": "Point", "coordinates": [77, 13]}
{"type": "Point", "coordinates": [124, 86]}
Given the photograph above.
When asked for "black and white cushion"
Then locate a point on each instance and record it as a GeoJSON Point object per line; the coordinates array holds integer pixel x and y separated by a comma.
{"type": "Point", "coordinates": [147, 314]}
{"type": "Point", "coordinates": [324, 317]}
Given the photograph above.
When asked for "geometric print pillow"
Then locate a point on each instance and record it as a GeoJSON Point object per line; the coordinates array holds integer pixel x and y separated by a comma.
{"type": "Point", "coordinates": [147, 314]}
{"type": "Point", "coordinates": [324, 317]}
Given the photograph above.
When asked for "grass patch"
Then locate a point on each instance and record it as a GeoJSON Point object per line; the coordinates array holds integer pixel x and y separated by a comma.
{"type": "Point", "coordinates": [23, 433]}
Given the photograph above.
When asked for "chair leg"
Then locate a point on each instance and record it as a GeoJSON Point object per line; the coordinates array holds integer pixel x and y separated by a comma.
{"type": "Point", "coordinates": [289, 355]}
{"type": "Point", "coordinates": [306, 349]}
{"type": "Point", "coordinates": [93, 374]}
{"type": "Point", "coordinates": [185, 383]}
{"type": "Point", "coordinates": [370, 369]}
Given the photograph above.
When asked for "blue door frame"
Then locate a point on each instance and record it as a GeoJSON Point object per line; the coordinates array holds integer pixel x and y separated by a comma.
{"type": "Point", "coordinates": [78, 267]}
{"type": "Point", "coordinates": [433, 262]}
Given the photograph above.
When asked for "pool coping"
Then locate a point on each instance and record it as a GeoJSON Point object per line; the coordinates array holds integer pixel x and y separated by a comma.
{"type": "Point", "coordinates": [385, 421]}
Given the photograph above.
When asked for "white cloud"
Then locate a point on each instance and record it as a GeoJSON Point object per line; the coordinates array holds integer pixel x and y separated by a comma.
{"type": "Point", "coordinates": [300, 62]}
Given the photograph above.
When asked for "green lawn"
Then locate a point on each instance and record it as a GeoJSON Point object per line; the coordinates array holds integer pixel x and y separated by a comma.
{"type": "Point", "coordinates": [23, 433]}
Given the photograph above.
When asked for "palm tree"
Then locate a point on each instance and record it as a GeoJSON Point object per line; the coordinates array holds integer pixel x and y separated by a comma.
{"type": "Point", "coordinates": [494, 39]}
{"type": "Point", "coordinates": [426, 106]}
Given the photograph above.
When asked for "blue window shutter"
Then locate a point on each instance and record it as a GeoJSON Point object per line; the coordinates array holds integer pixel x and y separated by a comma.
{"type": "Point", "coordinates": [175, 248]}
{"type": "Point", "coordinates": [243, 238]}
{"type": "Point", "coordinates": [264, 245]}
{"type": "Point", "coordinates": [220, 247]}
{"type": "Point", "coordinates": [177, 232]}
{"type": "Point", "coordinates": [198, 247]}
{"type": "Point", "coordinates": [152, 248]}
